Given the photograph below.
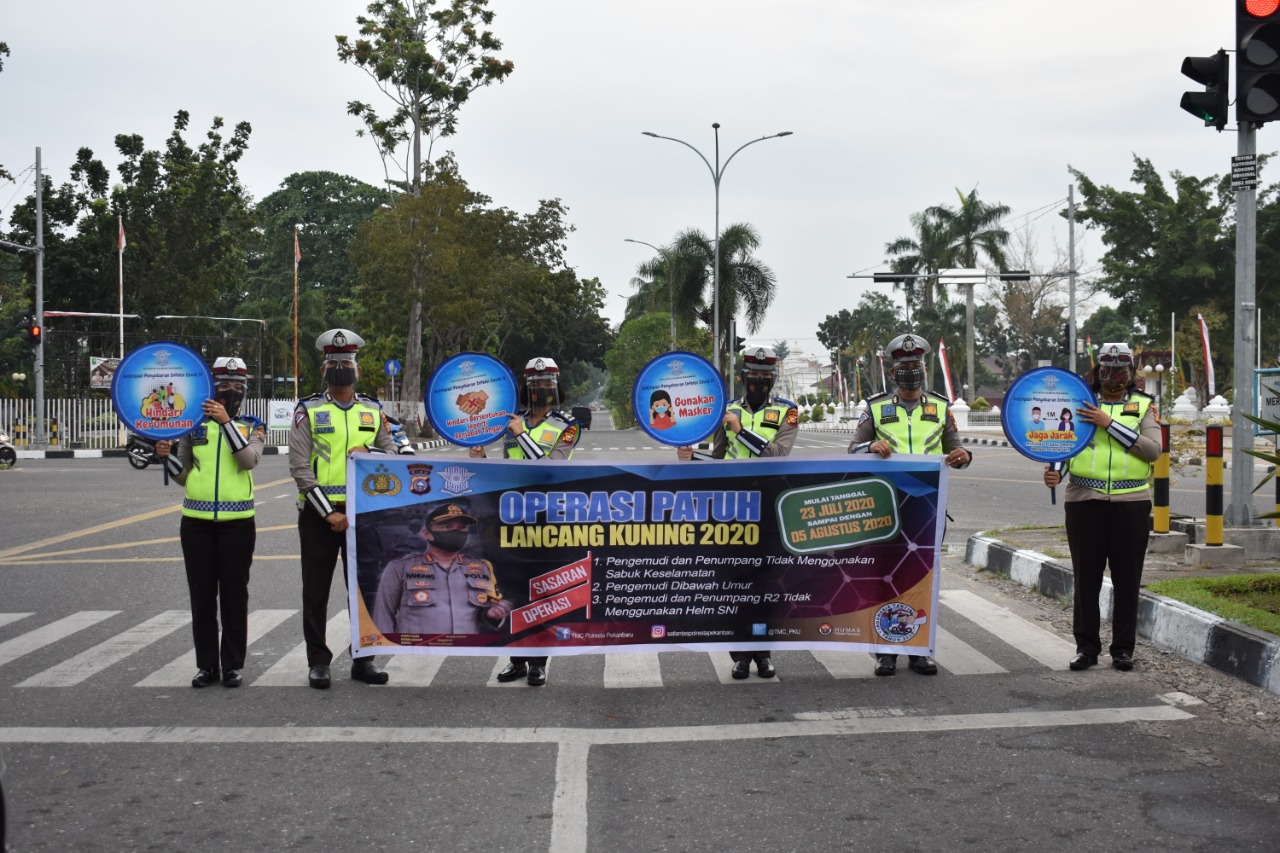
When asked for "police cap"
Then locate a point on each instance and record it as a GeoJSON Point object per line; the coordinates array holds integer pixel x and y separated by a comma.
{"type": "Point", "coordinates": [449, 512]}
{"type": "Point", "coordinates": [1115, 354]}
{"type": "Point", "coordinates": [760, 358]}
{"type": "Point", "coordinates": [907, 347]}
{"type": "Point", "coordinates": [230, 369]}
{"type": "Point", "coordinates": [339, 345]}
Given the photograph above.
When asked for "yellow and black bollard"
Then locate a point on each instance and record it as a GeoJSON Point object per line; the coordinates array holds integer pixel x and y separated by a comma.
{"type": "Point", "coordinates": [53, 431]}
{"type": "Point", "coordinates": [19, 432]}
{"type": "Point", "coordinates": [1160, 486]}
{"type": "Point", "coordinates": [1213, 486]}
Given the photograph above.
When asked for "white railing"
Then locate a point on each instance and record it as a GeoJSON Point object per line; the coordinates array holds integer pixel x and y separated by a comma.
{"type": "Point", "coordinates": [91, 424]}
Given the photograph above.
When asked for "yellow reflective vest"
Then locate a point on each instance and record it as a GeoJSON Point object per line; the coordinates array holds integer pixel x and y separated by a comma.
{"type": "Point", "coordinates": [765, 423]}
{"type": "Point", "coordinates": [217, 488]}
{"type": "Point", "coordinates": [334, 432]}
{"type": "Point", "coordinates": [916, 431]}
{"type": "Point", "coordinates": [554, 429]}
{"type": "Point", "coordinates": [1105, 465]}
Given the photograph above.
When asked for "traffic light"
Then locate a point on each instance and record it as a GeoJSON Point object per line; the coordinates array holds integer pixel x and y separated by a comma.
{"type": "Point", "coordinates": [739, 344]}
{"type": "Point", "coordinates": [1064, 345]}
{"type": "Point", "coordinates": [1211, 104]}
{"type": "Point", "coordinates": [31, 331]}
{"type": "Point", "coordinates": [1257, 61]}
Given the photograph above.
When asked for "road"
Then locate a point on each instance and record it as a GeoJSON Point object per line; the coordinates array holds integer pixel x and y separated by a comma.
{"type": "Point", "coordinates": [109, 749]}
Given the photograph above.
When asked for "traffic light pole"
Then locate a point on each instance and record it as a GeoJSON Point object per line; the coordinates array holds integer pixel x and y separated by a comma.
{"type": "Point", "coordinates": [1240, 512]}
{"type": "Point", "coordinates": [39, 434]}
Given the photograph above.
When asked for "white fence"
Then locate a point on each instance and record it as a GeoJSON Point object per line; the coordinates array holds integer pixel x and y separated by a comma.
{"type": "Point", "coordinates": [92, 424]}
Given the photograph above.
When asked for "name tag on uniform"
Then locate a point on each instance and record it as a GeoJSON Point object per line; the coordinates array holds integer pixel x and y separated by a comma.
{"type": "Point", "coordinates": [322, 429]}
{"type": "Point", "coordinates": [200, 435]}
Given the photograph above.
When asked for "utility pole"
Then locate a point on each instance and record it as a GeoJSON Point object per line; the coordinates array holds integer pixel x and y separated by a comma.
{"type": "Point", "coordinates": [1071, 277]}
{"type": "Point", "coordinates": [39, 434]}
{"type": "Point", "coordinates": [1240, 512]}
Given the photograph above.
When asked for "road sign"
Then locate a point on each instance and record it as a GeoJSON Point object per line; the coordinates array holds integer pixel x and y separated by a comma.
{"type": "Point", "coordinates": [392, 367]}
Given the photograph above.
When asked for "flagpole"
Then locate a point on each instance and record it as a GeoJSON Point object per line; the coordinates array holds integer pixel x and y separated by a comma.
{"type": "Point", "coordinates": [120, 244]}
{"type": "Point", "coordinates": [297, 257]}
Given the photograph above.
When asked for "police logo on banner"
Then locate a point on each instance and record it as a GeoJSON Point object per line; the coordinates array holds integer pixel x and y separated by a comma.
{"type": "Point", "coordinates": [419, 478]}
{"type": "Point", "coordinates": [381, 483]}
{"type": "Point", "coordinates": [897, 622]}
{"type": "Point", "coordinates": [457, 480]}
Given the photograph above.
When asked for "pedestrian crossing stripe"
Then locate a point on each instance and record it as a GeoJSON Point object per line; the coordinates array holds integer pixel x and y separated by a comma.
{"type": "Point", "coordinates": [621, 670]}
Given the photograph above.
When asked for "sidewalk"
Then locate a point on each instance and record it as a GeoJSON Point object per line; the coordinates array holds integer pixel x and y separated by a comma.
{"type": "Point", "coordinates": [1242, 652]}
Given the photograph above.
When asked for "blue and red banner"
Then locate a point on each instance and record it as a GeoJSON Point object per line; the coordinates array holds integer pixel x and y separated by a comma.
{"type": "Point", "coordinates": [488, 556]}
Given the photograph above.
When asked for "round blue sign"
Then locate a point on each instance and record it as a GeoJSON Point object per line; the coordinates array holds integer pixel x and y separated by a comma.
{"type": "Point", "coordinates": [392, 367]}
{"type": "Point", "coordinates": [159, 388]}
{"type": "Point", "coordinates": [470, 398]}
{"type": "Point", "coordinates": [1039, 416]}
{"type": "Point", "coordinates": [679, 399]}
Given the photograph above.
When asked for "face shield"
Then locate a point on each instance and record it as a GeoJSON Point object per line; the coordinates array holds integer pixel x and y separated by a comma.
{"type": "Point", "coordinates": [340, 373]}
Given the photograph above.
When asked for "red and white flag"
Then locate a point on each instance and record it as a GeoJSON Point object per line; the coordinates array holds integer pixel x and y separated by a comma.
{"type": "Point", "coordinates": [880, 358]}
{"type": "Point", "coordinates": [120, 242]}
{"type": "Point", "coordinates": [1208, 360]}
{"type": "Point", "coordinates": [297, 252]}
{"type": "Point", "coordinates": [946, 369]}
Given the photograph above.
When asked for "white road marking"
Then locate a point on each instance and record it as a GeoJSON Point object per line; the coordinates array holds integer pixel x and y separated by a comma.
{"type": "Point", "coordinates": [957, 656]}
{"type": "Point", "coordinates": [1033, 641]}
{"type": "Point", "coordinates": [413, 670]}
{"type": "Point", "coordinates": [632, 669]}
{"type": "Point", "coordinates": [569, 802]}
{"type": "Point", "coordinates": [11, 650]}
{"type": "Point", "coordinates": [846, 664]}
{"type": "Point", "coordinates": [92, 661]}
{"type": "Point", "coordinates": [10, 618]}
{"type": "Point", "coordinates": [179, 672]}
{"type": "Point", "coordinates": [1180, 698]}
{"type": "Point", "coordinates": [291, 670]}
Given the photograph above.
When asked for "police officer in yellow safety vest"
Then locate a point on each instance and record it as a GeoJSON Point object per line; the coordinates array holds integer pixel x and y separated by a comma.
{"type": "Point", "coordinates": [910, 420]}
{"type": "Point", "coordinates": [326, 428]}
{"type": "Point", "coordinates": [215, 462]}
{"type": "Point", "coordinates": [756, 425]}
{"type": "Point", "coordinates": [540, 432]}
{"type": "Point", "coordinates": [1107, 506]}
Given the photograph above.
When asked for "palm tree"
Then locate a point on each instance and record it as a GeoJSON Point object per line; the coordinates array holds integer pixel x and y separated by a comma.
{"type": "Point", "coordinates": [924, 254]}
{"type": "Point", "coordinates": [973, 228]}
{"type": "Point", "coordinates": [747, 285]}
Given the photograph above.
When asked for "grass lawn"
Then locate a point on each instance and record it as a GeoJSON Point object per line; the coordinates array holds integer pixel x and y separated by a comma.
{"type": "Point", "coordinates": [1252, 600]}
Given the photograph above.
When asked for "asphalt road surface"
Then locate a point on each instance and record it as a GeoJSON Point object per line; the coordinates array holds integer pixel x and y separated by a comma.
{"type": "Point", "coordinates": [108, 748]}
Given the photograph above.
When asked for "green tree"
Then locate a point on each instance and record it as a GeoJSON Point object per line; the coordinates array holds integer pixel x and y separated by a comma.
{"type": "Point", "coordinates": [974, 229]}
{"type": "Point", "coordinates": [327, 208]}
{"type": "Point", "coordinates": [427, 61]}
{"type": "Point", "coordinates": [924, 254]}
{"type": "Point", "coordinates": [637, 343]}
{"type": "Point", "coordinates": [747, 284]}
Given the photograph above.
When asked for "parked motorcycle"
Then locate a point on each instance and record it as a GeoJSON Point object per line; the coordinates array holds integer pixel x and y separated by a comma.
{"type": "Point", "coordinates": [8, 455]}
{"type": "Point", "coordinates": [399, 436]}
{"type": "Point", "coordinates": [141, 452]}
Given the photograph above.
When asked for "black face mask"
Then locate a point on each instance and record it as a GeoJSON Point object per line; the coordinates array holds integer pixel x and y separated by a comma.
{"type": "Point", "coordinates": [757, 389]}
{"type": "Point", "coordinates": [542, 398]}
{"type": "Point", "coordinates": [340, 377]}
{"type": "Point", "coordinates": [449, 540]}
{"type": "Point", "coordinates": [230, 400]}
{"type": "Point", "coordinates": [908, 378]}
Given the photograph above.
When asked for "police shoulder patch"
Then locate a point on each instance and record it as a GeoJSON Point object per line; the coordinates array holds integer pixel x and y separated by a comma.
{"type": "Point", "coordinates": [793, 416]}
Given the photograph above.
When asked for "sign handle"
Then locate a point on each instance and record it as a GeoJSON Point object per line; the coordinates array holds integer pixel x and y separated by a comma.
{"type": "Point", "coordinates": [1053, 492]}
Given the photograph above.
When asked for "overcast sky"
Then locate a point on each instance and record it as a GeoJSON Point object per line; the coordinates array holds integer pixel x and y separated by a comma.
{"type": "Point", "coordinates": [893, 105]}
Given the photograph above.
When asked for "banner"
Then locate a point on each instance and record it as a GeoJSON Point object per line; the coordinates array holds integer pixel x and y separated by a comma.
{"type": "Point", "coordinates": [280, 413]}
{"type": "Point", "coordinates": [489, 556]}
{"type": "Point", "coordinates": [101, 370]}
{"type": "Point", "coordinates": [1208, 358]}
{"type": "Point", "coordinates": [946, 371]}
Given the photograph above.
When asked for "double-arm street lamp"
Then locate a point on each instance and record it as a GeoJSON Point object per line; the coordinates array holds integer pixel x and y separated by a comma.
{"type": "Point", "coordinates": [717, 172]}
{"type": "Point", "coordinates": [666, 263]}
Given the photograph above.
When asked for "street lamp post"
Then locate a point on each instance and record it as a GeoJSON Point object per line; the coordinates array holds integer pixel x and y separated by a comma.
{"type": "Point", "coordinates": [671, 291]}
{"type": "Point", "coordinates": [717, 172]}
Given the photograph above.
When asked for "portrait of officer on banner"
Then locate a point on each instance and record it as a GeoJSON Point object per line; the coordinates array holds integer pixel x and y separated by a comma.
{"type": "Point", "coordinates": [439, 588]}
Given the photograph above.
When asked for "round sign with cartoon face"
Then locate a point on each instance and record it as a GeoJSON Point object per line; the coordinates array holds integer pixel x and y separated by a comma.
{"type": "Point", "coordinates": [470, 398]}
{"type": "Point", "coordinates": [159, 389]}
{"type": "Point", "coordinates": [679, 399]}
{"type": "Point", "coordinates": [1039, 415]}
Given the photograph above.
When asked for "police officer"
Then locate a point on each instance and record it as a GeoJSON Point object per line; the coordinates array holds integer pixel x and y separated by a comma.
{"type": "Point", "coordinates": [326, 428]}
{"type": "Point", "coordinates": [540, 432]}
{"type": "Point", "coordinates": [909, 420]}
{"type": "Point", "coordinates": [440, 590]}
{"type": "Point", "coordinates": [756, 425]}
{"type": "Point", "coordinates": [215, 462]}
{"type": "Point", "coordinates": [1107, 505]}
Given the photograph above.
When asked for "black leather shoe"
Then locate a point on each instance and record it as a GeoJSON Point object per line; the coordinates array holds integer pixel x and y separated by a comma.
{"type": "Point", "coordinates": [1122, 661]}
{"type": "Point", "coordinates": [765, 667]}
{"type": "Point", "coordinates": [513, 671]}
{"type": "Point", "coordinates": [232, 678]}
{"type": "Point", "coordinates": [362, 669]}
{"type": "Point", "coordinates": [922, 664]}
{"type": "Point", "coordinates": [1083, 661]}
{"type": "Point", "coordinates": [537, 675]}
{"type": "Point", "coordinates": [886, 664]}
{"type": "Point", "coordinates": [318, 676]}
{"type": "Point", "coordinates": [741, 669]}
{"type": "Point", "coordinates": [204, 678]}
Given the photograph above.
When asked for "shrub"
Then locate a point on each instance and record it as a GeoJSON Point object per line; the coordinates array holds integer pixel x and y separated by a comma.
{"type": "Point", "coordinates": [980, 404]}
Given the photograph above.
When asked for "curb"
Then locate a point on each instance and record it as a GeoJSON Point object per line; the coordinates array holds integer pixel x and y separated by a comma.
{"type": "Point", "coordinates": [119, 452]}
{"type": "Point", "coordinates": [1242, 652]}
